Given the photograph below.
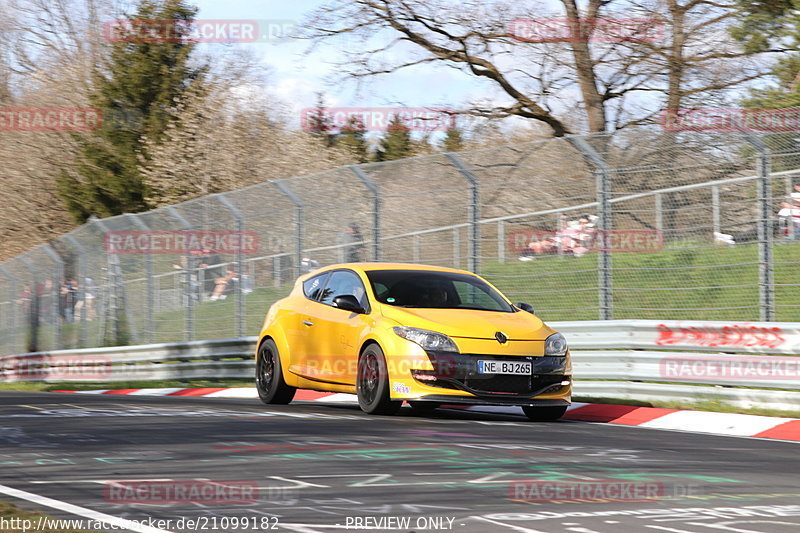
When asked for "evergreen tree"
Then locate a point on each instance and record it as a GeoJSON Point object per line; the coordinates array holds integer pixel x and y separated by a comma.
{"type": "Point", "coordinates": [319, 122]}
{"type": "Point", "coordinates": [352, 138]}
{"type": "Point", "coordinates": [135, 90]}
{"type": "Point", "coordinates": [765, 25]}
{"type": "Point", "coordinates": [396, 143]}
{"type": "Point", "coordinates": [453, 140]}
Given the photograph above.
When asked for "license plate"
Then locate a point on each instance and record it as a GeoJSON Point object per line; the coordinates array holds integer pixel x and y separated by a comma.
{"type": "Point", "coordinates": [522, 368]}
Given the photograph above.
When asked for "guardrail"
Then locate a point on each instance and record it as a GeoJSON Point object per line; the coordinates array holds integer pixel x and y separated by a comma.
{"type": "Point", "coordinates": [646, 360]}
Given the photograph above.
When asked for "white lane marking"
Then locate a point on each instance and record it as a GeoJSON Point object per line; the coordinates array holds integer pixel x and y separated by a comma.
{"type": "Point", "coordinates": [726, 526]}
{"type": "Point", "coordinates": [97, 481]}
{"type": "Point", "coordinates": [510, 526]}
{"type": "Point", "coordinates": [670, 529]}
{"type": "Point", "coordinates": [717, 423]}
{"type": "Point", "coordinates": [113, 521]}
{"type": "Point", "coordinates": [234, 392]}
{"type": "Point", "coordinates": [153, 392]}
{"type": "Point", "coordinates": [101, 391]}
{"type": "Point", "coordinates": [338, 397]}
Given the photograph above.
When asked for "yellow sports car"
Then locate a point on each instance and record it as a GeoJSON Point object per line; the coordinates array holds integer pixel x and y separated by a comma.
{"type": "Point", "coordinates": [427, 335]}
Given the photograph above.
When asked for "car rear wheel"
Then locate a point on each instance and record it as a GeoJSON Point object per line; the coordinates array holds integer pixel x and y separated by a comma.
{"type": "Point", "coordinates": [272, 389]}
{"type": "Point", "coordinates": [544, 414]}
{"type": "Point", "coordinates": [372, 385]}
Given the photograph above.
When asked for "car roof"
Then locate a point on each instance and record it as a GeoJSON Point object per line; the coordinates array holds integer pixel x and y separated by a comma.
{"type": "Point", "coordinates": [366, 267]}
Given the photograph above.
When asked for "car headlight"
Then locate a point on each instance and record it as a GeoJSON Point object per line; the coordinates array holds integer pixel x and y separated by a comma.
{"type": "Point", "coordinates": [555, 344]}
{"type": "Point", "coordinates": [429, 340]}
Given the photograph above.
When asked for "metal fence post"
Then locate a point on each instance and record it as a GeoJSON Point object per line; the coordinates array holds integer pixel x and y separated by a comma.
{"type": "Point", "coordinates": [12, 328]}
{"type": "Point", "coordinates": [501, 241]}
{"type": "Point", "coordinates": [237, 215]}
{"type": "Point", "coordinates": [715, 210]}
{"type": "Point", "coordinates": [766, 287]}
{"type": "Point", "coordinates": [58, 272]}
{"type": "Point", "coordinates": [118, 332]}
{"type": "Point", "coordinates": [376, 210]}
{"type": "Point", "coordinates": [602, 174]}
{"type": "Point", "coordinates": [150, 296]}
{"type": "Point", "coordinates": [456, 247]}
{"type": "Point", "coordinates": [659, 213]}
{"type": "Point", "coordinates": [474, 212]}
{"type": "Point", "coordinates": [32, 344]}
{"type": "Point", "coordinates": [82, 276]}
{"type": "Point", "coordinates": [187, 277]}
{"type": "Point", "coordinates": [298, 222]}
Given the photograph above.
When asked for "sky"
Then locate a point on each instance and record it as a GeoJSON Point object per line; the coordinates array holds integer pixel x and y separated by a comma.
{"type": "Point", "coordinates": [296, 78]}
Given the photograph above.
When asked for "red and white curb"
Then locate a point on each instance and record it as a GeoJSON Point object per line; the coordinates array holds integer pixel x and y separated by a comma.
{"type": "Point", "coordinates": [732, 424]}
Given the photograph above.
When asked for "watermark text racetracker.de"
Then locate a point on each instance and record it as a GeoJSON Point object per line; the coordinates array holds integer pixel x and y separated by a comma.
{"type": "Point", "coordinates": [731, 120]}
{"type": "Point", "coordinates": [202, 523]}
{"type": "Point", "coordinates": [50, 119]}
{"type": "Point", "coordinates": [220, 31]}
{"type": "Point", "coordinates": [380, 118]}
{"type": "Point", "coordinates": [599, 30]}
{"type": "Point", "coordinates": [180, 242]}
{"type": "Point", "coordinates": [54, 367]}
{"type": "Point", "coordinates": [730, 367]}
{"type": "Point", "coordinates": [206, 492]}
{"type": "Point", "coordinates": [596, 491]}
{"type": "Point", "coordinates": [634, 240]}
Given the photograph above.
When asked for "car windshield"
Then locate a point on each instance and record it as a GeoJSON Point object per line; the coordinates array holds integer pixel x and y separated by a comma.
{"type": "Point", "coordinates": [432, 289]}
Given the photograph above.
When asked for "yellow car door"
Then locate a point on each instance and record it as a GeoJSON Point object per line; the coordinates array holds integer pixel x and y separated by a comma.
{"type": "Point", "coordinates": [335, 333]}
{"type": "Point", "coordinates": [298, 327]}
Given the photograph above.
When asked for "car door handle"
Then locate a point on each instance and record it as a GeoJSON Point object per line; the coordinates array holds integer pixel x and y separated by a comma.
{"type": "Point", "coordinates": [308, 323]}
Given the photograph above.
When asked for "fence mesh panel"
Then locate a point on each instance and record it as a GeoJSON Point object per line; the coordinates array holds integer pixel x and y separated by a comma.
{"type": "Point", "coordinates": [638, 224]}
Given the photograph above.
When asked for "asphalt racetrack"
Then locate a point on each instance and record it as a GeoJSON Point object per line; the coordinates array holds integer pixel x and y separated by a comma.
{"type": "Point", "coordinates": [313, 467]}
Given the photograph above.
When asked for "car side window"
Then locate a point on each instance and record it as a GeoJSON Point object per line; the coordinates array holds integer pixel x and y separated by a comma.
{"type": "Point", "coordinates": [312, 287]}
{"type": "Point", "coordinates": [344, 282]}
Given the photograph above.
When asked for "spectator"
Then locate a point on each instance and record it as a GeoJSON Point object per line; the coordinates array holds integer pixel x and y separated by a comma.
{"type": "Point", "coordinates": [353, 245]}
{"type": "Point", "coordinates": [790, 215]}
{"type": "Point", "coordinates": [222, 285]}
{"type": "Point", "coordinates": [67, 300]}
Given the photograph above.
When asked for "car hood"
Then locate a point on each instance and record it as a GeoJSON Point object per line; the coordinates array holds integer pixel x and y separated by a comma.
{"type": "Point", "coordinates": [471, 324]}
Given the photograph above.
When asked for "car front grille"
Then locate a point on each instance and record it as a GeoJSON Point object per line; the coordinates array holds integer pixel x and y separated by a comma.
{"type": "Point", "coordinates": [460, 371]}
{"type": "Point", "coordinates": [511, 384]}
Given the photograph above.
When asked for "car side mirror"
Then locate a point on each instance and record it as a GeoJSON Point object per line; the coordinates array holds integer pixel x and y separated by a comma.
{"type": "Point", "coordinates": [348, 302]}
{"type": "Point", "coordinates": [525, 307]}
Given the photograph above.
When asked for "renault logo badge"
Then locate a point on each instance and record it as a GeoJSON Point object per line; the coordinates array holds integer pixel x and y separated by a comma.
{"type": "Point", "coordinates": [501, 337]}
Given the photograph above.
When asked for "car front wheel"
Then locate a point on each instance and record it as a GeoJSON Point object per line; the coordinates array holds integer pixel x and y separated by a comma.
{"type": "Point", "coordinates": [372, 385]}
{"type": "Point", "coordinates": [272, 389]}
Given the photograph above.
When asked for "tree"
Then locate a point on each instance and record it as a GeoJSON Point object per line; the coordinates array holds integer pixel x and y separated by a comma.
{"type": "Point", "coordinates": [352, 137]}
{"type": "Point", "coordinates": [320, 123]}
{"type": "Point", "coordinates": [692, 60]}
{"type": "Point", "coordinates": [764, 26]}
{"type": "Point", "coordinates": [396, 143]}
{"type": "Point", "coordinates": [136, 89]}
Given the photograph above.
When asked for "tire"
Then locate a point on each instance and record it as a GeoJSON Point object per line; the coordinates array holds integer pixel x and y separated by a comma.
{"type": "Point", "coordinates": [272, 389]}
{"type": "Point", "coordinates": [544, 414]}
{"type": "Point", "coordinates": [423, 407]}
{"type": "Point", "coordinates": [372, 383]}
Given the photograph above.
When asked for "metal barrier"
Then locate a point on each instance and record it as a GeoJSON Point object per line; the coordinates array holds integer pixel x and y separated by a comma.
{"type": "Point", "coordinates": [650, 361]}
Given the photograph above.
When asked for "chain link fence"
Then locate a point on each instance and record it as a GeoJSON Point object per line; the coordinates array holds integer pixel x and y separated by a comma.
{"type": "Point", "coordinates": [640, 224]}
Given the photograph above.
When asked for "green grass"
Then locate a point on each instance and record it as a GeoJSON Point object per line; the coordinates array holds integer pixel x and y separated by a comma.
{"type": "Point", "coordinates": [688, 282]}
{"type": "Point", "coordinates": [15, 516]}
{"type": "Point", "coordinates": [719, 283]}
